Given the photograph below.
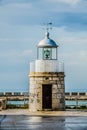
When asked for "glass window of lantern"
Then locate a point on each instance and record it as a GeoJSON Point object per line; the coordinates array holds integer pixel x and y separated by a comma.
{"type": "Point", "coordinates": [54, 53]}
{"type": "Point", "coordinates": [40, 53]}
{"type": "Point", "coordinates": [47, 53]}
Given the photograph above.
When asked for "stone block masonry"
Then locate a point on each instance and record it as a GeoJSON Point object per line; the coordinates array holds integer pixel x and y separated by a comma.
{"type": "Point", "coordinates": [53, 79]}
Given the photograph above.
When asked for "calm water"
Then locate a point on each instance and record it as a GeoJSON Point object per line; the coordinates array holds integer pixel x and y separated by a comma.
{"type": "Point", "coordinates": [80, 103]}
{"type": "Point", "coordinates": [18, 102]}
{"type": "Point", "coordinates": [27, 102]}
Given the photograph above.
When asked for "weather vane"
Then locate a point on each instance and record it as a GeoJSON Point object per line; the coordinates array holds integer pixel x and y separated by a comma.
{"type": "Point", "coordinates": [48, 26]}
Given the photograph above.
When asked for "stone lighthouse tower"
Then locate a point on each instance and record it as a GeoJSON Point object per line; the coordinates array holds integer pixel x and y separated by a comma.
{"type": "Point", "coordinates": [47, 88]}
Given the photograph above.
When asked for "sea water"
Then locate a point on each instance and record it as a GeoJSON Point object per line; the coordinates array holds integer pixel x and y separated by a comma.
{"type": "Point", "coordinates": [68, 103]}
{"type": "Point", "coordinates": [73, 103]}
{"type": "Point", "coordinates": [17, 103]}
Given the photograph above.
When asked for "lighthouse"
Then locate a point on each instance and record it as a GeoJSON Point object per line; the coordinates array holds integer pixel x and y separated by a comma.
{"type": "Point", "coordinates": [47, 86]}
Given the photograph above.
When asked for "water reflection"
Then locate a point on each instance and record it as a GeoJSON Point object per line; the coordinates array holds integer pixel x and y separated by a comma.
{"type": "Point", "coordinates": [35, 119]}
{"type": "Point", "coordinates": [46, 123]}
{"type": "Point", "coordinates": [26, 122]}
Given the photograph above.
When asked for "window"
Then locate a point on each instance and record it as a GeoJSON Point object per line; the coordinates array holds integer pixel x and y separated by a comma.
{"type": "Point", "coordinates": [54, 53]}
{"type": "Point", "coordinates": [40, 53]}
{"type": "Point", "coordinates": [47, 53]}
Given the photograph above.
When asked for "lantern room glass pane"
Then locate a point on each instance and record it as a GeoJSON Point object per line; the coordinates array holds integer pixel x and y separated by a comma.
{"type": "Point", "coordinates": [54, 53]}
{"type": "Point", "coordinates": [47, 53]}
{"type": "Point", "coordinates": [40, 53]}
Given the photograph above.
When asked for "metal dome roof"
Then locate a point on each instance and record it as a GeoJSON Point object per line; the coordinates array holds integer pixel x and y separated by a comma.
{"type": "Point", "coordinates": [47, 42]}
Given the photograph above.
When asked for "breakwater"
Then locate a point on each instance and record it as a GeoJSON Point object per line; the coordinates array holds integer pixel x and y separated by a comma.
{"type": "Point", "coordinates": [73, 99]}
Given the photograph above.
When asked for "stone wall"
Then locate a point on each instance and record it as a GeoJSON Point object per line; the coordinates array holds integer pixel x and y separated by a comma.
{"type": "Point", "coordinates": [2, 103]}
{"type": "Point", "coordinates": [37, 79]}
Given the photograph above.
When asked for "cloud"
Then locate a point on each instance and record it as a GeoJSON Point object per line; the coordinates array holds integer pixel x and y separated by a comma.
{"type": "Point", "coordinates": [72, 21]}
{"type": "Point", "coordinates": [74, 40]}
{"type": "Point", "coordinates": [68, 6]}
{"type": "Point", "coordinates": [2, 40]}
{"type": "Point", "coordinates": [21, 5]}
{"type": "Point", "coordinates": [83, 56]}
{"type": "Point", "coordinates": [26, 13]}
{"type": "Point", "coordinates": [26, 53]}
{"type": "Point", "coordinates": [75, 59]}
{"type": "Point", "coordinates": [19, 35]}
{"type": "Point", "coordinates": [4, 2]}
{"type": "Point", "coordinates": [71, 2]}
{"type": "Point", "coordinates": [15, 53]}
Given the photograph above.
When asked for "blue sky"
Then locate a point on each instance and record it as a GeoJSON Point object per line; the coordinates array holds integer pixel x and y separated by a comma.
{"type": "Point", "coordinates": [21, 28]}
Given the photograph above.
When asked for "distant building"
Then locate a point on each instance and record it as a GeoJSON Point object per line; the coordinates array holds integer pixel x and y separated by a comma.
{"type": "Point", "coordinates": [47, 87]}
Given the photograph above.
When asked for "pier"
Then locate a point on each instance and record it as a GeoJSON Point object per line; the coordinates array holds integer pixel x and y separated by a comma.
{"type": "Point", "coordinates": [15, 95]}
{"type": "Point", "coordinates": [25, 95]}
{"type": "Point", "coordinates": [76, 95]}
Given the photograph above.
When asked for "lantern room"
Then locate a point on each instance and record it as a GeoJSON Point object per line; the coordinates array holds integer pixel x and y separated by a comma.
{"type": "Point", "coordinates": [47, 49]}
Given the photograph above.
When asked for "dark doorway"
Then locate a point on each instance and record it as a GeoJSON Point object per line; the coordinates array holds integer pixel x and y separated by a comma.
{"type": "Point", "coordinates": [46, 96]}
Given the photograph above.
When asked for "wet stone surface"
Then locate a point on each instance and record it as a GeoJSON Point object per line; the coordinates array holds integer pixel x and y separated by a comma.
{"type": "Point", "coordinates": [26, 122]}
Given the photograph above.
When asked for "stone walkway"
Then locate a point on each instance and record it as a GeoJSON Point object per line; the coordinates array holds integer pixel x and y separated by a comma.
{"type": "Point", "coordinates": [43, 113]}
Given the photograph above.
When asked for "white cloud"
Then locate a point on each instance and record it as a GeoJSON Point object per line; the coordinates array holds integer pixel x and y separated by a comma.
{"type": "Point", "coordinates": [75, 6]}
{"type": "Point", "coordinates": [14, 53]}
{"type": "Point", "coordinates": [78, 58]}
{"type": "Point", "coordinates": [71, 2]}
{"type": "Point", "coordinates": [14, 39]}
{"type": "Point", "coordinates": [21, 5]}
{"type": "Point", "coordinates": [26, 53]}
{"type": "Point", "coordinates": [83, 55]}
{"type": "Point", "coordinates": [14, 9]}
{"type": "Point", "coordinates": [66, 37]}
{"type": "Point", "coordinates": [7, 53]}
{"type": "Point", "coordinates": [74, 40]}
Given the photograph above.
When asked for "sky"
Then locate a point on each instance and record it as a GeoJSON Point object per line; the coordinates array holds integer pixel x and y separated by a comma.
{"type": "Point", "coordinates": [21, 29]}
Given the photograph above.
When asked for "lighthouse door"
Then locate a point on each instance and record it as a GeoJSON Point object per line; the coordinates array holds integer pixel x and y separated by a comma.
{"type": "Point", "coordinates": [46, 96]}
